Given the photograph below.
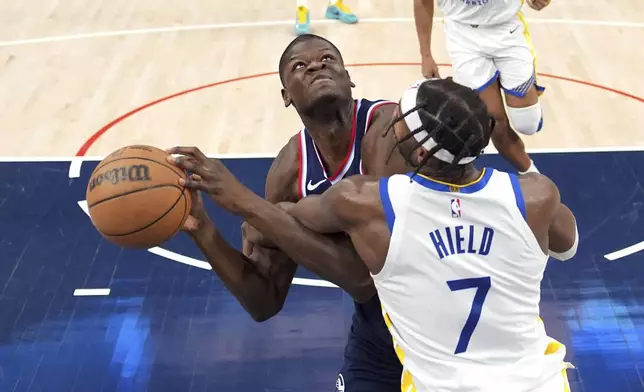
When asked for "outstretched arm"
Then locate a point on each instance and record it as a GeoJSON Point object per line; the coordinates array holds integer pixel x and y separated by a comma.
{"type": "Point", "coordinates": [270, 271]}
{"type": "Point", "coordinates": [331, 256]}
{"type": "Point", "coordinates": [351, 206]}
{"type": "Point", "coordinates": [335, 211]}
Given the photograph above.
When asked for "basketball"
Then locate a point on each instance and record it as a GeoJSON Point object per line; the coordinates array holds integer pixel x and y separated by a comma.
{"type": "Point", "coordinates": [134, 198]}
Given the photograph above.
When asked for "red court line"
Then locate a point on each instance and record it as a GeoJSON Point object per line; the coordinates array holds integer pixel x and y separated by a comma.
{"type": "Point", "coordinates": [97, 135]}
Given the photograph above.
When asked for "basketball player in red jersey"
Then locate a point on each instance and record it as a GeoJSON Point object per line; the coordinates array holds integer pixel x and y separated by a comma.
{"type": "Point", "coordinates": [342, 137]}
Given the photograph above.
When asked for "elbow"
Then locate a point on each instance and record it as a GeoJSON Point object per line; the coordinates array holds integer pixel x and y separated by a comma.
{"type": "Point", "coordinates": [259, 316]}
{"type": "Point", "coordinates": [363, 291]}
{"type": "Point", "coordinates": [564, 256]}
{"type": "Point", "coordinates": [571, 252]}
{"type": "Point", "coordinates": [565, 249]}
{"type": "Point", "coordinates": [266, 310]}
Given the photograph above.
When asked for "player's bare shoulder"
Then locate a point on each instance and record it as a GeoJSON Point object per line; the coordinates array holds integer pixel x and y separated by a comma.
{"type": "Point", "coordinates": [377, 144]}
{"type": "Point", "coordinates": [542, 198]}
{"type": "Point", "coordinates": [380, 120]}
{"type": "Point", "coordinates": [538, 189]}
{"type": "Point", "coordinates": [281, 180]}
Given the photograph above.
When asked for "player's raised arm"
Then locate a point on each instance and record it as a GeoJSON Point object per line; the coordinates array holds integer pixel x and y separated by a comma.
{"type": "Point", "coordinates": [271, 270]}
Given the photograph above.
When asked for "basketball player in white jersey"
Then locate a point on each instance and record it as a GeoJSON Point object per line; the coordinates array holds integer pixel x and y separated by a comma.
{"type": "Point", "coordinates": [491, 51]}
{"type": "Point", "coordinates": [457, 254]}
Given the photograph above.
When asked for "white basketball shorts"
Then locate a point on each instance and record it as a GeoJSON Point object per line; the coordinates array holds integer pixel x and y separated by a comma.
{"type": "Point", "coordinates": [482, 54]}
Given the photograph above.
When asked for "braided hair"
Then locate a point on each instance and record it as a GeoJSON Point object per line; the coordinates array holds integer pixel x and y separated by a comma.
{"type": "Point", "coordinates": [448, 119]}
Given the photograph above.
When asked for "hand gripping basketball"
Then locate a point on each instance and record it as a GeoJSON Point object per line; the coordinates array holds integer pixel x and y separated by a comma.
{"type": "Point", "coordinates": [210, 175]}
{"type": "Point", "coordinates": [198, 216]}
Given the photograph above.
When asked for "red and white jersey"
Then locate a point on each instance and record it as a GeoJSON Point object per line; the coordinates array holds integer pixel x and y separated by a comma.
{"type": "Point", "coordinates": [313, 177]}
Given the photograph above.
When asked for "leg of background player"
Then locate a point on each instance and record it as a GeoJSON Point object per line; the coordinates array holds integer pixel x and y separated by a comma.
{"type": "Point", "coordinates": [338, 10]}
{"type": "Point", "coordinates": [302, 18]}
{"type": "Point", "coordinates": [529, 101]}
{"type": "Point", "coordinates": [516, 62]}
{"type": "Point", "coordinates": [473, 65]}
{"type": "Point", "coordinates": [506, 141]}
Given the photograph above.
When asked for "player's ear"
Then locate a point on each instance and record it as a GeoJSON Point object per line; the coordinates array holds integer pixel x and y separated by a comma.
{"type": "Point", "coordinates": [350, 81]}
{"type": "Point", "coordinates": [492, 123]}
{"type": "Point", "coordinates": [286, 98]}
{"type": "Point", "coordinates": [419, 155]}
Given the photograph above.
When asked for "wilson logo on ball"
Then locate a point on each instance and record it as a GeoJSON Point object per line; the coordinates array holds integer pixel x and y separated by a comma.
{"type": "Point", "coordinates": [126, 173]}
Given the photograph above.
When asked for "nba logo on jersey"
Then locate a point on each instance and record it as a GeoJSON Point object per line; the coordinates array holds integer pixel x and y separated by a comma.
{"type": "Point", "coordinates": [456, 208]}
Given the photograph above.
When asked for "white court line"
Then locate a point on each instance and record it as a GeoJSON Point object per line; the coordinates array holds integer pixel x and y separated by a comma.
{"type": "Point", "coordinates": [204, 265]}
{"type": "Point", "coordinates": [90, 292]}
{"type": "Point", "coordinates": [271, 23]}
{"type": "Point", "coordinates": [75, 167]}
{"type": "Point", "coordinates": [625, 252]}
{"type": "Point", "coordinates": [180, 258]}
{"type": "Point", "coordinates": [89, 158]}
{"type": "Point", "coordinates": [313, 282]}
{"type": "Point", "coordinates": [76, 162]}
{"type": "Point", "coordinates": [50, 159]}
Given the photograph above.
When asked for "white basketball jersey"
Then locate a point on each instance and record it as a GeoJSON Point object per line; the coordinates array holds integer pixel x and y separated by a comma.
{"type": "Point", "coordinates": [480, 12]}
{"type": "Point", "coordinates": [460, 287]}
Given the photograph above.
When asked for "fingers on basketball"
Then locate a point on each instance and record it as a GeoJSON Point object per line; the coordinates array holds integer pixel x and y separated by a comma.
{"type": "Point", "coordinates": [195, 191]}
{"type": "Point", "coordinates": [195, 183]}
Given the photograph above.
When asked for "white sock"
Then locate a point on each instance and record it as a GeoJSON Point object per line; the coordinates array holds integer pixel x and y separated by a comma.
{"type": "Point", "coordinates": [531, 169]}
{"type": "Point", "coordinates": [303, 3]}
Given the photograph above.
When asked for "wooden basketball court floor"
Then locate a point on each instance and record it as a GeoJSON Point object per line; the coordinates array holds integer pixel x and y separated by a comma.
{"type": "Point", "coordinates": [79, 79]}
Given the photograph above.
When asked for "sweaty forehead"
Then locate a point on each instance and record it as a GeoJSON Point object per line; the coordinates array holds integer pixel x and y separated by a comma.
{"type": "Point", "coordinates": [310, 48]}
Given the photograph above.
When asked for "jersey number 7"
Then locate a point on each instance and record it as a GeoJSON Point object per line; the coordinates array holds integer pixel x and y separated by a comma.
{"type": "Point", "coordinates": [482, 286]}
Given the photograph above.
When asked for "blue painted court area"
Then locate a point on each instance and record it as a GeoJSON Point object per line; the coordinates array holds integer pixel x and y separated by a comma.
{"type": "Point", "coordinates": [167, 326]}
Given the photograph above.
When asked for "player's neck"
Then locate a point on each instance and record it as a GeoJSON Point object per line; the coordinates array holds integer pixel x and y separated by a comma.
{"type": "Point", "coordinates": [330, 127]}
{"type": "Point", "coordinates": [457, 175]}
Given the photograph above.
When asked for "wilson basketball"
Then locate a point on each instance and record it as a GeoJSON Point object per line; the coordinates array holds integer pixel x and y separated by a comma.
{"type": "Point", "coordinates": [134, 197]}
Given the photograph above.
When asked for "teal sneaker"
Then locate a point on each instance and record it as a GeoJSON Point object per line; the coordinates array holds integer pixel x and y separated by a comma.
{"type": "Point", "coordinates": [341, 12]}
{"type": "Point", "coordinates": [302, 21]}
